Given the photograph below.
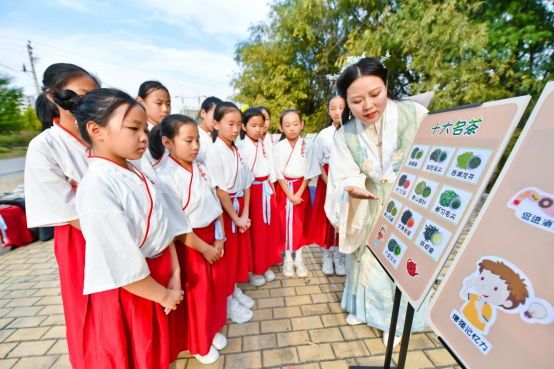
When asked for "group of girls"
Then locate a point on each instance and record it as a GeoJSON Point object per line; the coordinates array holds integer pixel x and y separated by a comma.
{"type": "Point", "coordinates": [157, 218]}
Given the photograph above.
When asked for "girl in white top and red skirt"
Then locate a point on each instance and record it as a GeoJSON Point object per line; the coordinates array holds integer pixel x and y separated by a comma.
{"type": "Point", "coordinates": [204, 271]}
{"type": "Point", "coordinates": [322, 232]}
{"type": "Point", "coordinates": [132, 273]}
{"type": "Point", "coordinates": [233, 179]}
{"type": "Point", "coordinates": [156, 101]}
{"type": "Point", "coordinates": [294, 167]}
{"type": "Point", "coordinates": [206, 118]}
{"type": "Point", "coordinates": [263, 204]}
{"type": "Point", "coordinates": [57, 160]}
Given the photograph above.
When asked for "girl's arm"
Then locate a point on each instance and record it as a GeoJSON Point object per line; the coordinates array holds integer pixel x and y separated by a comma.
{"type": "Point", "coordinates": [302, 188]}
{"type": "Point", "coordinates": [76, 224]}
{"type": "Point", "coordinates": [219, 244]}
{"type": "Point", "coordinates": [149, 289]}
{"type": "Point", "coordinates": [246, 210]}
{"type": "Point", "coordinates": [194, 242]}
{"type": "Point", "coordinates": [323, 174]}
{"type": "Point", "coordinates": [227, 204]}
{"type": "Point", "coordinates": [175, 280]}
{"type": "Point", "coordinates": [292, 198]}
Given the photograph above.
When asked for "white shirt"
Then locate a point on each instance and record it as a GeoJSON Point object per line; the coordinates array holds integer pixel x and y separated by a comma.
{"type": "Point", "coordinates": [227, 168]}
{"type": "Point", "coordinates": [205, 143]}
{"type": "Point", "coordinates": [193, 191]}
{"type": "Point", "coordinates": [256, 157]}
{"type": "Point", "coordinates": [323, 144]}
{"type": "Point", "coordinates": [294, 162]}
{"type": "Point", "coordinates": [147, 164]}
{"type": "Point", "coordinates": [55, 165]}
{"type": "Point", "coordinates": [269, 142]}
{"type": "Point", "coordinates": [124, 219]}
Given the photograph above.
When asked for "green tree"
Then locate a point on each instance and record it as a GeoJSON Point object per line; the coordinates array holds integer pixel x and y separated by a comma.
{"type": "Point", "coordinates": [31, 120]}
{"type": "Point", "coordinates": [463, 50]}
{"type": "Point", "coordinates": [11, 119]}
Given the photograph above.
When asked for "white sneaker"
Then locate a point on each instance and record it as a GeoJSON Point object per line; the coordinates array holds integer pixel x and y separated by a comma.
{"type": "Point", "coordinates": [242, 299]}
{"type": "Point", "coordinates": [210, 358]}
{"type": "Point", "coordinates": [327, 267]}
{"type": "Point", "coordinates": [219, 342]}
{"type": "Point", "coordinates": [256, 280]}
{"type": "Point", "coordinates": [238, 313]}
{"type": "Point", "coordinates": [340, 270]}
{"type": "Point", "coordinates": [301, 270]}
{"type": "Point", "coordinates": [288, 268]}
{"type": "Point", "coordinates": [352, 320]}
{"type": "Point", "coordinates": [386, 339]}
{"type": "Point", "coordinates": [269, 275]}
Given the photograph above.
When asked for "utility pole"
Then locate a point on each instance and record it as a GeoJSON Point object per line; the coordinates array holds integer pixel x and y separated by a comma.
{"type": "Point", "coordinates": [32, 60]}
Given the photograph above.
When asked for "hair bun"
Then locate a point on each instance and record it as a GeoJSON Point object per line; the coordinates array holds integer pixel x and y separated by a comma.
{"type": "Point", "coordinates": [67, 99]}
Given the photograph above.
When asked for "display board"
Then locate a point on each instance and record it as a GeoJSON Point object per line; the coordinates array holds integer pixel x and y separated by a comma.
{"type": "Point", "coordinates": [494, 307]}
{"type": "Point", "coordinates": [443, 176]}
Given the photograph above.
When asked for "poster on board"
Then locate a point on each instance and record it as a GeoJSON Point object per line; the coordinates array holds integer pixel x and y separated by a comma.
{"type": "Point", "coordinates": [494, 308]}
{"type": "Point", "coordinates": [453, 155]}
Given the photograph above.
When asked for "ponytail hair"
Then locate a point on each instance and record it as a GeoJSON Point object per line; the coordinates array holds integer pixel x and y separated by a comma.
{"type": "Point", "coordinates": [247, 115]}
{"type": "Point", "coordinates": [221, 109]}
{"type": "Point", "coordinates": [55, 78]}
{"type": "Point", "coordinates": [97, 106]}
{"type": "Point", "coordinates": [208, 104]}
{"type": "Point", "coordinates": [168, 127]}
{"type": "Point", "coordinates": [148, 87]}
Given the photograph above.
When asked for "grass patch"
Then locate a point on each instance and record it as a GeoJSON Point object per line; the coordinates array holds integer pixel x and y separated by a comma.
{"type": "Point", "coordinates": [16, 152]}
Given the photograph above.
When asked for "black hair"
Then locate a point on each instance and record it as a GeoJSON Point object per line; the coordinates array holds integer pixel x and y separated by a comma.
{"type": "Point", "coordinates": [55, 78]}
{"type": "Point", "coordinates": [168, 127]}
{"type": "Point", "coordinates": [261, 107]}
{"type": "Point", "coordinates": [365, 67]}
{"type": "Point", "coordinates": [208, 104]}
{"type": "Point", "coordinates": [283, 115]}
{"type": "Point", "coordinates": [329, 103]}
{"type": "Point", "coordinates": [97, 106]}
{"type": "Point", "coordinates": [221, 109]}
{"type": "Point", "coordinates": [148, 87]}
{"type": "Point", "coordinates": [247, 115]}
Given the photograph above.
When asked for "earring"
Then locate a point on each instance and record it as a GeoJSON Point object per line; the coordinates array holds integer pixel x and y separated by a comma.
{"type": "Point", "coordinates": [350, 115]}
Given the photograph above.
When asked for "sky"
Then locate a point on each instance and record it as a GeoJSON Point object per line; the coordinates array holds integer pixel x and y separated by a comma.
{"type": "Point", "coordinates": [188, 45]}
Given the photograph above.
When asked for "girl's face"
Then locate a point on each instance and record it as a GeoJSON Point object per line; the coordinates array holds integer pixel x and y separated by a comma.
{"type": "Point", "coordinates": [335, 108]}
{"type": "Point", "coordinates": [122, 137]}
{"type": "Point", "coordinates": [367, 98]}
{"type": "Point", "coordinates": [185, 144]}
{"type": "Point", "coordinates": [80, 85]}
{"type": "Point", "coordinates": [267, 121]}
{"type": "Point", "coordinates": [291, 126]}
{"type": "Point", "coordinates": [208, 118]}
{"type": "Point", "coordinates": [157, 105]}
{"type": "Point", "coordinates": [229, 126]}
{"type": "Point", "coordinates": [254, 128]}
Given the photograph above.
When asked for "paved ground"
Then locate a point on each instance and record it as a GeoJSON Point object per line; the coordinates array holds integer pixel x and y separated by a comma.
{"type": "Point", "coordinates": [298, 323]}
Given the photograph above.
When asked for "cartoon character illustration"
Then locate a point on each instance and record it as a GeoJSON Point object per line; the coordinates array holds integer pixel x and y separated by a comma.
{"type": "Point", "coordinates": [411, 266]}
{"type": "Point", "coordinates": [534, 207]}
{"type": "Point", "coordinates": [380, 235]}
{"type": "Point", "coordinates": [499, 285]}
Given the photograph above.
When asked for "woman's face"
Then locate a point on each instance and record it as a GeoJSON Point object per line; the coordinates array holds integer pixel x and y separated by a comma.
{"type": "Point", "coordinates": [367, 98]}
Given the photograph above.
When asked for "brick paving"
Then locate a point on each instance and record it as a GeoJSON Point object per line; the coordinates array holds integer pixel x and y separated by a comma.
{"type": "Point", "coordinates": [297, 322]}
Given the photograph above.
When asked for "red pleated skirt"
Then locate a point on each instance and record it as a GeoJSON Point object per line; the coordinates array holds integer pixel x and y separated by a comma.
{"type": "Point", "coordinates": [294, 232]}
{"type": "Point", "coordinates": [266, 250]}
{"type": "Point", "coordinates": [178, 319]}
{"type": "Point", "coordinates": [128, 331]}
{"type": "Point", "coordinates": [238, 251]}
{"type": "Point", "coordinates": [321, 231]}
{"type": "Point", "coordinates": [69, 247]}
{"type": "Point", "coordinates": [204, 310]}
